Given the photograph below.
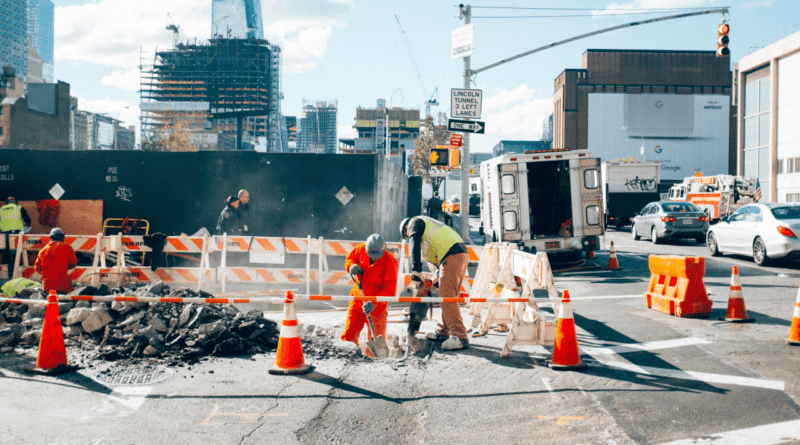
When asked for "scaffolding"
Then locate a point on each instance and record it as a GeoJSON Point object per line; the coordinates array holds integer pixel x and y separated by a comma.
{"type": "Point", "coordinates": [235, 84]}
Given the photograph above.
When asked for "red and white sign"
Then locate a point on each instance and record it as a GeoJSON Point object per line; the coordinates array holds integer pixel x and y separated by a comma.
{"type": "Point", "coordinates": [455, 140]}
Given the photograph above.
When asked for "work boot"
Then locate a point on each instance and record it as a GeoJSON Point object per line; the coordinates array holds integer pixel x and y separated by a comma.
{"type": "Point", "coordinates": [435, 336]}
{"type": "Point", "coordinates": [454, 342]}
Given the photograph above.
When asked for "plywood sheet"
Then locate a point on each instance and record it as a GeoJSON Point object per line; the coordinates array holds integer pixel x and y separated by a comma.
{"type": "Point", "coordinates": [76, 217]}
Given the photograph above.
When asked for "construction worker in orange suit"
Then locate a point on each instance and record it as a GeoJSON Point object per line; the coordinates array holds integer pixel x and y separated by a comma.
{"type": "Point", "coordinates": [376, 268]}
{"type": "Point", "coordinates": [53, 263]}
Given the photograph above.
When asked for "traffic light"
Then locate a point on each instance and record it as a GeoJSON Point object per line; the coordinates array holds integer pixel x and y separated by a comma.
{"type": "Point", "coordinates": [455, 156]}
{"type": "Point", "coordinates": [722, 40]}
{"type": "Point", "coordinates": [440, 157]}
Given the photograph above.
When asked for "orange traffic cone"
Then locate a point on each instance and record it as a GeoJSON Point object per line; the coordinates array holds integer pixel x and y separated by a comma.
{"type": "Point", "coordinates": [52, 358]}
{"type": "Point", "coordinates": [794, 332]}
{"type": "Point", "coordinates": [613, 264]}
{"type": "Point", "coordinates": [566, 356]}
{"type": "Point", "coordinates": [737, 313]}
{"type": "Point", "coordinates": [289, 357]}
{"type": "Point", "coordinates": [590, 255]}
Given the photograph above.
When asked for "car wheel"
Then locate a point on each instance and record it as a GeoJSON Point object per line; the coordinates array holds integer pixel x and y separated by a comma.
{"type": "Point", "coordinates": [712, 245]}
{"type": "Point", "coordinates": [633, 233]}
{"type": "Point", "coordinates": [760, 252]}
{"type": "Point", "coordinates": [654, 236]}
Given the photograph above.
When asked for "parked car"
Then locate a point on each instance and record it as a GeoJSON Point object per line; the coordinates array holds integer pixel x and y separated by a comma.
{"type": "Point", "coordinates": [762, 231]}
{"type": "Point", "coordinates": [475, 204]}
{"type": "Point", "coordinates": [670, 220]}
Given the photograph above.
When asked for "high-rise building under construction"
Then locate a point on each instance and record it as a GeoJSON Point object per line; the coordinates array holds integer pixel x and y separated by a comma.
{"type": "Point", "coordinates": [240, 19]}
{"type": "Point", "coordinates": [318, 127]}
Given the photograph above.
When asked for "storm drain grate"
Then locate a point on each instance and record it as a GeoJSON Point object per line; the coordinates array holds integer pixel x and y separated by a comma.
{"type": "Point", "coordinates": [133, 376]}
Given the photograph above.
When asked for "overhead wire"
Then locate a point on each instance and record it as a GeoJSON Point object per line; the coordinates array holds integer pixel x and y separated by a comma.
{"type": "Point", "coordinates": [596, 12]}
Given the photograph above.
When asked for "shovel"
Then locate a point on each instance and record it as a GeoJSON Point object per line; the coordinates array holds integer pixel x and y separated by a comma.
{"type": "Point", "coordinates": [377, 344]}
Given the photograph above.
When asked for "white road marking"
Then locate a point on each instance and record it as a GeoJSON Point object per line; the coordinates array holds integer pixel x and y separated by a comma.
{"type": "Point", "coordinates": [122, 402]}
{"type": "Point", "coordinates": [776, 433]}
{"type": "Point", "coordinates": [606, 297]}
{"type": "Point", "coordinates": [649, 346]}
{"type": "Point", "coordinates": [699, 376]}
{"type": "Point", "coordinates": [547, 385]}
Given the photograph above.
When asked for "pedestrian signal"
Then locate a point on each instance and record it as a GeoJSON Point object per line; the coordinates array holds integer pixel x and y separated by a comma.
{"type": "Point", "coordinates": [440, 157]}
{"type": "Point", "coordinates": [455, 157]}
{"type": "Point", "coordinates": [722, 40]}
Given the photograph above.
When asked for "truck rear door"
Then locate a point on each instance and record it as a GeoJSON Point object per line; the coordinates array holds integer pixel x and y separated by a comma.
{"type": "Point", "coordinates": [591, 198]}
{"type": "Point", "coordinates": [509, 202]}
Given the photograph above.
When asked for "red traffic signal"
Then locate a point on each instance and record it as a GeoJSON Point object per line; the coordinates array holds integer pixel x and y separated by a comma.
{"type": "Point", "coordinates": [722, 40]}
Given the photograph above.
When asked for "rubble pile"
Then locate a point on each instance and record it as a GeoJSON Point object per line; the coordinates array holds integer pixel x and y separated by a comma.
{"type": "Point", "coordinates": [131, 331]}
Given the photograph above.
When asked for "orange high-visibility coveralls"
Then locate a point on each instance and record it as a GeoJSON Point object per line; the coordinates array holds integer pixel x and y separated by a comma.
{"type": "Point", "coordinates": [379, 280]}
{"type": "Point", "coordinates": [52, 263]}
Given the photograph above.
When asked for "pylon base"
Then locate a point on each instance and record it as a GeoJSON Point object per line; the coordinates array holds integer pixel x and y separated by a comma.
{"type": "Point", "coordinates": [792, 342]}
{"type": "Point", "coordinates": [58, 370]}
{"type": "Point", "coordinates": [578, 367]}
{"type": "Point", "coordinates": [738, 320]}
{"type": "Point", "coordinates": [305, 369]}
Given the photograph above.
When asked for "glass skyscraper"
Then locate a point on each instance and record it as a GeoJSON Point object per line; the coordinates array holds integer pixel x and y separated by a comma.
{"type": "Point", "coordinates": [241, 19]}
{"type": "Point", "coordinates": [40, 28]}
{"type": "Point", "coordinates": [14, 36]}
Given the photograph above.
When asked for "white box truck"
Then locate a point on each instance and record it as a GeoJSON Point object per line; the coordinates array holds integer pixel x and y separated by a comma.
{"type": "Point", "coordinates": [545, 201]}
{"type": "Point", "coordinates": [627, 188]}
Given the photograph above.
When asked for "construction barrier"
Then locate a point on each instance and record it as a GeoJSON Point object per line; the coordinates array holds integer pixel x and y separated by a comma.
{"type": "Point", "coordinates": [676, 286]}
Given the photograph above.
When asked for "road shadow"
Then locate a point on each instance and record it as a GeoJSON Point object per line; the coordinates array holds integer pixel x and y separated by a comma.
{"type": "Point", "coordinates": [319, 377]}
{"type": "Point", "coordinates": [760, 317]}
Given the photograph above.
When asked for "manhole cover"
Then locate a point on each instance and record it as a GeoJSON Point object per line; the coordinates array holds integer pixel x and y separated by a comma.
{"type": "Point", "coordinates": [133, 376]}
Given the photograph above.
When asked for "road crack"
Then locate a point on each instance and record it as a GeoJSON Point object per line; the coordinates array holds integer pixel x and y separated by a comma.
{"type": "Point", "coordinates": [261, 417]}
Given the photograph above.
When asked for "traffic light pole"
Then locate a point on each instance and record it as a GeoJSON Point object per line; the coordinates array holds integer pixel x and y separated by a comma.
{"type": "Point", "coordinates": [465, 11]}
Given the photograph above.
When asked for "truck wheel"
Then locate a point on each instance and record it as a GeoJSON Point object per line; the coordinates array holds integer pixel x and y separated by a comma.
{"type": "Point", "coordinates": [634, 235]}
{"type": "Point", "coordinates": [712, 245]}
{"type": "Point", "coordinates": [760, 252]}
{"type": "Point", "coordinates": [654, 236]}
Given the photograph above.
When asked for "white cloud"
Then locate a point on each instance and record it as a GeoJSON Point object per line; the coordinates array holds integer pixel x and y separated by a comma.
{"type": "Point", "coordinates": [758, 4]}
{"type": "Point", "coordinates": [653, 4]}
{"type": "Point", "coordinates": [126, 80]}
{"type": "Point", "coordinates": [516, 114]}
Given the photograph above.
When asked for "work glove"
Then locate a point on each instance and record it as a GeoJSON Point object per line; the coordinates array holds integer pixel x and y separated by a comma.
{"type": "Point", "coordinates": [416, 276]}
{"type": "Point", "coordinates": [355, 269]}
{"type": "Point", "coordinates": [368, 307]}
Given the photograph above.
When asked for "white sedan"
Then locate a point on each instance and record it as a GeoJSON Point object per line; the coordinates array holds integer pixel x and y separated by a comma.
{"type": "Point", "coordinates": [762, 231]}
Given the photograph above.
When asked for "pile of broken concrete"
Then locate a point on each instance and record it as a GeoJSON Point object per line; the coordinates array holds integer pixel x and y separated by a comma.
{"type": "Point", "coordinates": [129, 331]}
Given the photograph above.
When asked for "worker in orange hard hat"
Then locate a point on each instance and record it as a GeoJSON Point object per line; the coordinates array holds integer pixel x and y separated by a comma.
{"type": "Point", "coordinates": [54, 261]}
{"type": "Point", "coordinates": [376, 268]}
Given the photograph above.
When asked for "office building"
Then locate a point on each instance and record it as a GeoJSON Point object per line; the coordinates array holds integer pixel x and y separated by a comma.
{"type": "Point", "coordinates": [505, 147]}
{"type": "Point", "coordinates": [237, 19]}
{"type": "Point", "coordinates": [318, 127]}
{"type": "Point", "coordinates": [675, 106]}
{"type": "Point", "coordinates": [38, 121]}
{"type": "Point", "coordinates": [14, 36]}
{"type": "Point", "coordinates": [290, 139]}
{"type": "Point", "coordinates": [768, 99]}
{"type": "Point", "coordinates": [41, 31]}
{"type": "Point", "coordinates": [475, 159]}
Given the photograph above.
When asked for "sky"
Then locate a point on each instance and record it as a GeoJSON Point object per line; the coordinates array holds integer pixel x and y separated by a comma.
{"type": "Point", "coordinates": [358, 51]}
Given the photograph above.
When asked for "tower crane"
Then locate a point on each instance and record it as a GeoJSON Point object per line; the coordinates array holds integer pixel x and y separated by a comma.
{"type": "Point", "coordinates": [434, 98]}
{"type": "Point", "coordinates": [174, 28]}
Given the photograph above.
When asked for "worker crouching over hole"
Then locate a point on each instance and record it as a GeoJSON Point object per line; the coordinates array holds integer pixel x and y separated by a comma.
{"type": "Point", "coordinates": [376, 270]}
{"type": "Point", "coordinates": [53, 263]}
{"type": "Point", "coordinates": [440, 246]}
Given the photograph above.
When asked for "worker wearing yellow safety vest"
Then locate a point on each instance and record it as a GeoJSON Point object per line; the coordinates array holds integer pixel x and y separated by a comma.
{"type": "Point", "coordinates": [13, 219]}
{"type": "Point", "coordinates": [440, 246]}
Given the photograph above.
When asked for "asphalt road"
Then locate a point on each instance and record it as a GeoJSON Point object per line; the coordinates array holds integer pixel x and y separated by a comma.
{"type": "Point", "coordinates": [652, 379]}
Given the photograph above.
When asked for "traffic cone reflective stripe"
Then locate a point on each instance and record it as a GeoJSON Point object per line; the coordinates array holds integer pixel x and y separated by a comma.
{"type": "Point", "coordinates": [737, 313]}
{"type": "Point", "coordinates": [52, 357]}
{"type": "Point", "coordinates": [566, 355]}
{"type": "Point", "coordinates": [613, 264]}
{"type": "Point", "coordinates": [289, 356]}
{"type": "Point", "coordinates": [794, 332]}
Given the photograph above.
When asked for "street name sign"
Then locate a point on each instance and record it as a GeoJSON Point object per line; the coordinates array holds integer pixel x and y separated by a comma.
{"type": "Point", "coordinates": [466, 104]}
{"type": "Point", "coordinates": [466, 126]}
{"type": "Point", "coordinates": [461, 42]}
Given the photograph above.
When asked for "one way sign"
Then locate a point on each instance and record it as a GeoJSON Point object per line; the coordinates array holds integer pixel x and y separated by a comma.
{"type": "Point", "coordinates": [466, 126]}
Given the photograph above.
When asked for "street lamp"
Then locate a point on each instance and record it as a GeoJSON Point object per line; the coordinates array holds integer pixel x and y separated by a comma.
{"type": "Point", "coordinates": [116, 126]}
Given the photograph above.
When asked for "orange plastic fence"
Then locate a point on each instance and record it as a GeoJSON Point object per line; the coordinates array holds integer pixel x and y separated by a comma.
{"type": "Point", "coordinates": [676, 286]}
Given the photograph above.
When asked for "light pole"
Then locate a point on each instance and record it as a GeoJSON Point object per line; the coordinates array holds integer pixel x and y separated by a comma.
{"type": "Point", "coordinates": [116, 126]}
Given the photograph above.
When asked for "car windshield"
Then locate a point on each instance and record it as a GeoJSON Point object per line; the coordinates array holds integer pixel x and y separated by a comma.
{"type": "Point", "coordinates": [786, 212]}
{"type": "Point", "coordinates": [679, 207]}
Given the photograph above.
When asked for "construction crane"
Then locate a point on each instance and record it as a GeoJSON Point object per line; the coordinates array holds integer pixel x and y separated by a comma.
{"type": "Point", "coordinates": [433, 99]}
{"type": "Point", "coordinates": [174, 28]}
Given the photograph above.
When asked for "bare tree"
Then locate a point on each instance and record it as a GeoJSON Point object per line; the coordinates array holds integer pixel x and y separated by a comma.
{"type": "Point", "coordinates": [172, 137]}
{"type": "Point", "coordinates": [431, 134]}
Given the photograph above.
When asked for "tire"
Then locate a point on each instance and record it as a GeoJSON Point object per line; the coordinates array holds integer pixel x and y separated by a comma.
{"type": "Point", "coordinates": [760, 252]}
{"type": "Point", "coordinates": [634, 235]}
{"type": "Point", "coordinates": [711, 242]}
{"type": "Point", "coordinates": [654, 236]}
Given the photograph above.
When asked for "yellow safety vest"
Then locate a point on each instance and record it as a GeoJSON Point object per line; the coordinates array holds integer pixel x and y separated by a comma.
{"type": "Point", "coordinates": [10, 218]}
{"type": "Point", "coordinates": [437, 240]}
{"type": "Point", "coordinates": [13, 287]}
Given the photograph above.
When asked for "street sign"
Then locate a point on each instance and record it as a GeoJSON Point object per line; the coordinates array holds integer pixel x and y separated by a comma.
{"type": "Point", "coordinates": [465, 103]}
{"type": "Point", "coordinates": [466, 126]}
{"type": "Point", "coordinates": [455, 140]}
{"type": "Point", "coordinates": [461, 42]}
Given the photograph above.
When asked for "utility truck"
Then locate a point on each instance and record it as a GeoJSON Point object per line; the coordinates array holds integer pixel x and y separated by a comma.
{"type": "Point", "coordinates": [628, 186]}
{"type": "Point", "coordinates": [544, 201]}
{"type": "Point", "coordinates": [718, 196]}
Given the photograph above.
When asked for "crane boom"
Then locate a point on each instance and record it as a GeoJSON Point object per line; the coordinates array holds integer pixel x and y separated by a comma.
{"type": "Point", "coordinates": [594, 33]}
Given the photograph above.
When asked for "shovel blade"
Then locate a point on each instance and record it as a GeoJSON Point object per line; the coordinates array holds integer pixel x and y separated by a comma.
{"type": "Point", "coordinates": [378, 347]}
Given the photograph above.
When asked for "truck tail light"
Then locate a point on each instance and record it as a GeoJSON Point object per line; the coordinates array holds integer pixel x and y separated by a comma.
{"type": "Point", "coordinates": [668, 219]}
{"type": "Point", "coordinates": [785, 231]}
